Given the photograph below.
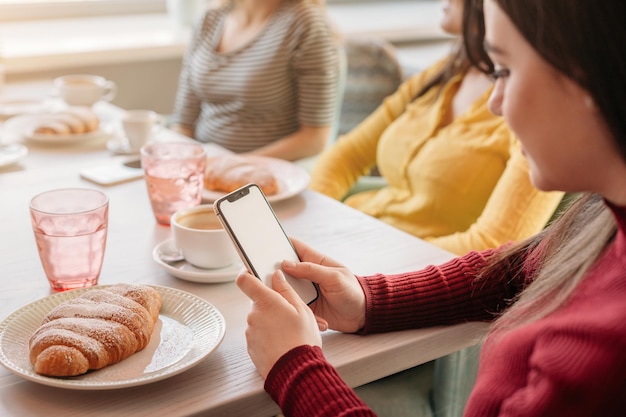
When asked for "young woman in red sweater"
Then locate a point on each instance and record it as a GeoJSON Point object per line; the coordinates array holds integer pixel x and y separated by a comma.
{"type": "Point", "coordinates": [558, 342]}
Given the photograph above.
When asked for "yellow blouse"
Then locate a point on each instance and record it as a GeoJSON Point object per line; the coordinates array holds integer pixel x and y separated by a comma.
{"type": "Point", "coordinates": [464, 186]}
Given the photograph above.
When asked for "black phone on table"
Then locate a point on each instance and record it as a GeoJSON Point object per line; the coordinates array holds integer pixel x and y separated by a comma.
{"type": "Point", "coordinates": [259, 237]}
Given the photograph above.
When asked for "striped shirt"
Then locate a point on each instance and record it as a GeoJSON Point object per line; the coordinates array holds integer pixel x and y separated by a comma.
{"type": "Point", "coordinates": [250, 97]}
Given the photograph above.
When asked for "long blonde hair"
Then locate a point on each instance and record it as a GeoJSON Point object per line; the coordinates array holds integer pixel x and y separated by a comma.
{"type": "Point", "coordinates": [562, 254]}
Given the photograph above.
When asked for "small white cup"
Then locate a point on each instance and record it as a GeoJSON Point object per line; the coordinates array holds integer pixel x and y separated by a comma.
{"type": "Point", "coordinates": [201, 238]}
{"type": "Point", "coordinates": [183, 12]}
{"type": "Point", "coordinates": [138, 126]}
{"type": "Point", "coordinates": [84, 89]}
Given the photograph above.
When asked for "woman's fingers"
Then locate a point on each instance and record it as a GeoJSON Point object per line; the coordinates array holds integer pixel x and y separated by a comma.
{"type": "Point", "coordinates": [322, 324]}
{"type": "Point", "coordinates": [308, 254]}
{"type": "Point", "coordinates": [281, 286]}
{"type": "Point", "coordinates": [252, 286]}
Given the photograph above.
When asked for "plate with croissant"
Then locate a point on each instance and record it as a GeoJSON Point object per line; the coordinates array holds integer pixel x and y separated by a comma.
{"type": "Point", "coordinates": [68, 126]}
{"type": "Point", "coordinates": [109, 336]}
{"type": "Point", "coordinates": [279, 179]}
{"type": "Point", "coordinates": [13, 106]}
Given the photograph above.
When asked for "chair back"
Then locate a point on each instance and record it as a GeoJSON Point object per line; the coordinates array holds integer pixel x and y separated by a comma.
{"type": "Point", "coordinates": [373, 73]}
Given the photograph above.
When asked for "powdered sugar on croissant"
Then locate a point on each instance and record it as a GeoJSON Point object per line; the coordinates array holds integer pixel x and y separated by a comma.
{"type": "Point", "coordinates": [72, 120]}
{"type": "Point", "coordinates": [229, 172]}
{"type": "Point", "coordinates": [99, 328]}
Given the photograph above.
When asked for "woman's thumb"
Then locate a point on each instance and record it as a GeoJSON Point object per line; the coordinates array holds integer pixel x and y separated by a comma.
{"type": "Point", "coordinates": [280, 285]}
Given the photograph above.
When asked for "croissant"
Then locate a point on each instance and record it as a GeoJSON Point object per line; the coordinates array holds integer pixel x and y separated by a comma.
{"type": "Point", "coordinates": [73, 120]}
{"type": "Point", "coordinates": [229, 172]}
{"type": "Point", "coordinates": [98, 328]}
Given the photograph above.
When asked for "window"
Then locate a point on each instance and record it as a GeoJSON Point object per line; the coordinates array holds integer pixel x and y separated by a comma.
{"type": "Point", "coordinates": [11, 10]}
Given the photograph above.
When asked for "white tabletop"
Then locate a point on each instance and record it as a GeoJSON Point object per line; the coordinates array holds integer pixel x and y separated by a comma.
{"type": "Point", "coordinates": [226, 382]}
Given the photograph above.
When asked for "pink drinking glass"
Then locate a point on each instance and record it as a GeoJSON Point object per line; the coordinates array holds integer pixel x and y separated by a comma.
{"type": "Point", "coordinates": [70, 228]}
{"type": "Point", "coordinates": [174, 174]}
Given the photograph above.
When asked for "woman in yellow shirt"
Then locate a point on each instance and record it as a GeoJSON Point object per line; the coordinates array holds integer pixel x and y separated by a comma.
{"type": "Point", "coordinates": [455, 174]}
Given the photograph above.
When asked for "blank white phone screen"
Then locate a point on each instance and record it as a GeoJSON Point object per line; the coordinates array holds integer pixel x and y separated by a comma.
{"type": "Point", "coordinates": [261, 239]}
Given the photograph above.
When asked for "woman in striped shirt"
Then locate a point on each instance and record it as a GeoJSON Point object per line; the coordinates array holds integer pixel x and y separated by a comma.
{"type": "Point", "coordinates": [260, 77]}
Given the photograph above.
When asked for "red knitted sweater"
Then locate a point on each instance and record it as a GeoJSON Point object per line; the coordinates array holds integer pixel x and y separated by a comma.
{"type": "Point", "coordinates": [570, 363]}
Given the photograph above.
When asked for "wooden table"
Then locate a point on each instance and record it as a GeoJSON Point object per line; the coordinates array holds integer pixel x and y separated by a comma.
{"type": "Point", "coordinates": [226, 382]}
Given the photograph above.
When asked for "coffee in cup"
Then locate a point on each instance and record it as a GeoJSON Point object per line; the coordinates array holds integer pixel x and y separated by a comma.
{"type": "Point", "coordinates": [200, 221]}
{"type": "Point", "coordinates": [201, 238]}
{"type": "Point", "coordinates": [84, 89]}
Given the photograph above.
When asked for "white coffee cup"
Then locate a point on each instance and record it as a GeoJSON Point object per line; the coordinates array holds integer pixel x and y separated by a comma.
{"type": "Point", "coordinates": [201, 238]}
{"type": "Point", "coordinates": [183, 12]}
{"type": "Point", "coordinates": [139, 125]}
{"type": "Point", "coordinates": [84, 89]}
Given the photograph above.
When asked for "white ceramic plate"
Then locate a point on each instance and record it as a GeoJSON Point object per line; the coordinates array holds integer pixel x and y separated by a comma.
{"type": "Point", "coordinates": [10, 107]}
{"type": "Point", "coordinates": [11, 154]}
{"type": "Point", "coordinates": [189, 329]}
{"type": "Point", "coordinates": [66, 139]}
{"type": "Point", "coordinates": [292, 179]}
{"type": "Point", "coordinates": [186, 271]}
{"type": "Point", "coordinates": [21, 128]}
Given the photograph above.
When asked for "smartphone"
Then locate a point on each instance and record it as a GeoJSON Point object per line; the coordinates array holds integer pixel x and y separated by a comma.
{"type": "Point", "coordinates": [259, 238]}
{"type": "Point", "coordinates": [116, 173]}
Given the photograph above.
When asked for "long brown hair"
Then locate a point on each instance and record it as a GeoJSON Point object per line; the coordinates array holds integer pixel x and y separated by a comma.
{"type": "Point", "coordinates": [584, 41]}
{"type": "Point", "coordinates": [465, 52]}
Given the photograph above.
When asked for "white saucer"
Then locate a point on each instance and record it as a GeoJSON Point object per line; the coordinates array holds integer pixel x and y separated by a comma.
{"type": "Point", "coordinates": [186, 271]}
{"type": "Point", "coordinates": [11, 154]}
{"type": "Point", "coordinates": [119, 146]}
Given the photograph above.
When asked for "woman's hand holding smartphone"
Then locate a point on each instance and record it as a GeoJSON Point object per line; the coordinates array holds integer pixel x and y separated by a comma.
{"type": "Point", "coordinates": [259, 238]}
{"type": "Point", "coordinates": [279, 321]}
